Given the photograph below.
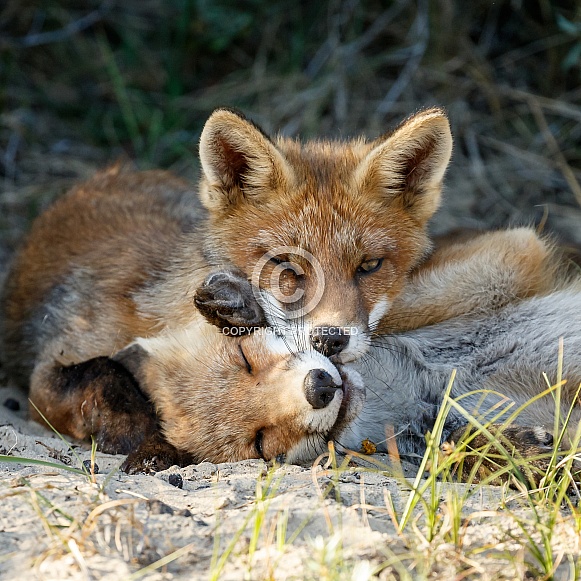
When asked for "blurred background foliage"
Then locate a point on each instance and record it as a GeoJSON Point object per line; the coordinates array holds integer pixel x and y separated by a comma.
{"type": "Point", "coordinates": [83, 82]}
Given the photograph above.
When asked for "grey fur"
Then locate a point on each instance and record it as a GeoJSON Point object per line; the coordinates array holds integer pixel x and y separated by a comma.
{"type": "Point", "coordinates": [507, 352]}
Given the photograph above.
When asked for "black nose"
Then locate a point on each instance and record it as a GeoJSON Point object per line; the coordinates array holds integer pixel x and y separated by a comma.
{"type": "Point", "coordinates": [320, 388]}
{"type": "Point", "coordinates": [329, 340]}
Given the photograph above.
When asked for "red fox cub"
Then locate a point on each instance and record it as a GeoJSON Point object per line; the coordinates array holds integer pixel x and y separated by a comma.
{"type": "Point", "coordinates": [500, 341]}
{"type": "Point", "coordinates": [336, 225]}
{"type": "Point", "coordinates": [331, 229]}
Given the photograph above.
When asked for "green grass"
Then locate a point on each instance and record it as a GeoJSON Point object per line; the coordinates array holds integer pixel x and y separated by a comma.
{"type": "Point", "coordinates": [436, 511]}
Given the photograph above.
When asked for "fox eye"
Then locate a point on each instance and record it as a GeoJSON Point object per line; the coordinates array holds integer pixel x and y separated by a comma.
{"type": "Point", "coordinates": [369, 266]}
{"type": "Point", "coordinates": [248, 366]}
{"type": "Point", "coordinates": [258, 440]}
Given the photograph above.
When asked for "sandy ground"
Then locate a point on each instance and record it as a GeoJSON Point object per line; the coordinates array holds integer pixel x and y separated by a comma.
{"type": "Point", "coordinates": [231, 521]}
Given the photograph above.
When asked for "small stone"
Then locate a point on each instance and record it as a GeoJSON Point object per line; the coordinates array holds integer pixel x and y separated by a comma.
{"type": "Point", "coordinates": [12, 404]}
{"type": "Point", "coordinates": [87, 465]}
{"type": "Point", "coordinates": [176, 480]}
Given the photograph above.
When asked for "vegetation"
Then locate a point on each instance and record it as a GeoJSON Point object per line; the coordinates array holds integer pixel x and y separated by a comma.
{"type": "Point", "coordinates": [532, 528]}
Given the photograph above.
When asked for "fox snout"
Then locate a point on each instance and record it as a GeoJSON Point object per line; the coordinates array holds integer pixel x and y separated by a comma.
{"type": "Point", "coordinates": [320, 388]}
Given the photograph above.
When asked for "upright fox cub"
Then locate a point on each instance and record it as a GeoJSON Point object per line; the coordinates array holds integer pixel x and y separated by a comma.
{"type": "Point", "coordinates": [332, 226]}
{"type": "Point", "coordinates": [347, 219]}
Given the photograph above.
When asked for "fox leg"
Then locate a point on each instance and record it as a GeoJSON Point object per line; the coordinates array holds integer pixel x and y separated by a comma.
{"type": "Point", "coordinates": [98, 397]}
{"type": "Point", "coordinates": [154, 454]}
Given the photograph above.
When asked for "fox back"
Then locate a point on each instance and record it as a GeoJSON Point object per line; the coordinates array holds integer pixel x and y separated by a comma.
{"type": "Point", "coordinates": [499, 358]}
{"type": "Point", "coordinates": [82, 276]}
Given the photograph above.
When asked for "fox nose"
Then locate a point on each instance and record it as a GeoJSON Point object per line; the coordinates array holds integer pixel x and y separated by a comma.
{"type": "Point", "coordinates": [320, 388]}
{"type": "Point", "coordinates": [329, 340]}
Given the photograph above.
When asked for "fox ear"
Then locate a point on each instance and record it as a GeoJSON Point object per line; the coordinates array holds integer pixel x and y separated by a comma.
{"type": "Point", "coordinates": [408, 165]}
{"type": "Point", "coordinates": [240, 163]}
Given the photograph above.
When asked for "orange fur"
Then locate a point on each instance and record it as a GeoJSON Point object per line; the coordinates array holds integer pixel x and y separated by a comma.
{"type": "Point", "coordinates": [120, 256]}
{"type": "Point", "coordinates": [477, 273]}
{"type": "Point", "coordinates": [344, 202]}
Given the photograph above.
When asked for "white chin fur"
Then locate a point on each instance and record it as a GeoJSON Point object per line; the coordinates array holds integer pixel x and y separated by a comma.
{"type": "Point", "coordinates": [306, 450]}
{"type": "Point", "coordinates": [358, 346]}
{"type": "Point", "coordinates": [356, 392]}
{"type": "Point", "coordinates": [317, 420]}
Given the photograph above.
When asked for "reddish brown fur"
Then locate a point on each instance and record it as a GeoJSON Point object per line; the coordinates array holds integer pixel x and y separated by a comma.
{"type": "Point", "coordinates": [475, 273]}
{"type": "Point", "coordinates": [97, 398]}
{"type": "Point", "coordinates": [345, 203]}
{"type": "Point", "coordinates": [225, 428]}
{"type": "Point", "coordinates": [215, 393]}
{"type": "Point", "coordinates": [117, 230]}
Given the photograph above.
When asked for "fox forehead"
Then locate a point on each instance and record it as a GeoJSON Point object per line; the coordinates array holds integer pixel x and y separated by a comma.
{"type": "Point", "coordinates": [317, 226]}
{"type": "Point", "coordinates": [322, 210]}
{"type": "Point", "coordinates": [339, 234]}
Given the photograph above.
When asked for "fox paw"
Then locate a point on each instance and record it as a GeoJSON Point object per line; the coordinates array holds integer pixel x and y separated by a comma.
{"type": "Point", "coordinates": [100, 398]}
{"type": "Point", "coordinates": [226, 299]}
{"type": "Point", "coordinates": [526, 450]}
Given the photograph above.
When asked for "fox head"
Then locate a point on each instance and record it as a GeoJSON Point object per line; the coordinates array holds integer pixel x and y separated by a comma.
{"type": "Point", "coordinates": [328, 230]}
{"type": "Point", "coordinates": [225, 399]}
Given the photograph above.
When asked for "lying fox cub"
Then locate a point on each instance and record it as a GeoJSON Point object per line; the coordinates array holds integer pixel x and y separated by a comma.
{"type": "Point", "coordinates": [501, 357]}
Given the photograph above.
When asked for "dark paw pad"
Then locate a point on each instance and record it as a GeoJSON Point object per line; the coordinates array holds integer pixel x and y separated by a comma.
{"type": "Point", "coordinates": [524, 438]}
{"type": "Point", "coordinates": [226, 299]}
